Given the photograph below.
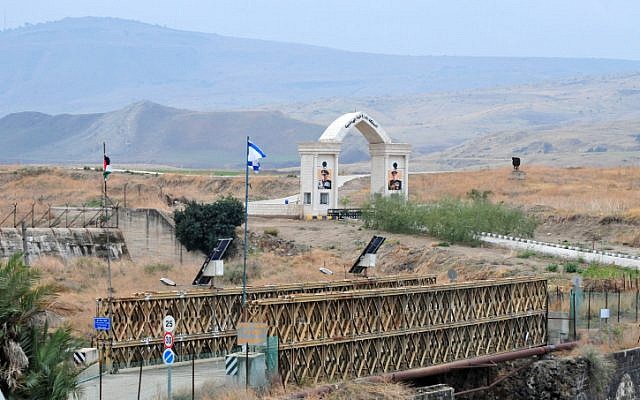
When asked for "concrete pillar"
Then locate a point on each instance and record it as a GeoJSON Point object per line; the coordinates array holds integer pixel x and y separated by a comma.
{"type": "Point", "coordinates": [390, 168]}
{"type": "Point", "coordinates": [257, 369]}
{"type": "Point", "coordinates": [318, 177]}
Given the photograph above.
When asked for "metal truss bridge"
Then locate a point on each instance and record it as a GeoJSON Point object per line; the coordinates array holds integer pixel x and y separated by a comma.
{"type": "Point", "coordinates": [339, 330]}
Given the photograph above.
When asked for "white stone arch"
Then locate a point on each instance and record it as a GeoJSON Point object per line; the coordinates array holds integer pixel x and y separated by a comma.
{"type": "Point", "coordinates": [370, 129]}
{"type": "Point", "coordinates": [319, 162]}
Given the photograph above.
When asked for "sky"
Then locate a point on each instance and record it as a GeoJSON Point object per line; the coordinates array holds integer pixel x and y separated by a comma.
{"type": "Point", "coordinates": [516, 28]}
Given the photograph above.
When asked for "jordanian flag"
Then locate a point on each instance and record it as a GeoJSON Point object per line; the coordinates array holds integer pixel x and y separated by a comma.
{"type": "Point", "coordinates": [106, 167]}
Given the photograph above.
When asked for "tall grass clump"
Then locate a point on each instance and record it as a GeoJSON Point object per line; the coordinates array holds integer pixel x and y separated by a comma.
{"type": "Point", "coordinates": [450, 219]}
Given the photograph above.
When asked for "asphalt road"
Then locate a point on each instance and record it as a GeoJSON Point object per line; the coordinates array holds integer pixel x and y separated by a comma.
{"type": "Point", "coordinates": [124, 384]}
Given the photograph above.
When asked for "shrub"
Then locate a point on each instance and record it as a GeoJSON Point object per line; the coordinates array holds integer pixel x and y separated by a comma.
{"type": "Point", "coordinates": [571, 267]}
{"type": "Point", "coordinates": [601, 369]}
{"type": "Point", "coordinates": [271, 231]}
{"type": "Point", "coordinates": [199, 226]}
{"type": "Point", "coordinates": [453, 220]}
{"type": "Point", "coordinates": [552, 267]}
{"type": "Point", "coordinates": [526, 254]}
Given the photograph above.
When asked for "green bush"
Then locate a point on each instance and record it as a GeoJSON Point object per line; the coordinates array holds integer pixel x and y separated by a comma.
{"type": "Point", "coordinates": [271, 231]}
{"type": "Point", "coordinates": [526, 254]}
{"type": "Point", "coordinates": [552, 267]}
{"type": "Point", "coordinates": [453, 220]}
{"type": "Point", "coordinates": [199, 226]}
{"type": "Point", "coordinates": [571, 267]}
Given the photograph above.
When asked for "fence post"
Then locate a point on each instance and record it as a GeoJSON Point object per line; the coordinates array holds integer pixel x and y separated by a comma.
{"type": "Point", "coordinates": [33, 215]}
{"type": "Point", "coordinates": [15, 211]}
{"type": "Point", "coordinates": [573, 299]}
{"type": "Point", "coordinates": [618, 305]}
{"type": "Point", "coordinates": [589, 312]}
{"type": "Point", "coordinates": [636, 304]}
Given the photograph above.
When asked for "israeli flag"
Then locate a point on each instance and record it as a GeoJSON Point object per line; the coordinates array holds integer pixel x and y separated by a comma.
{"type": "Point", "coordinates": [255, 154]}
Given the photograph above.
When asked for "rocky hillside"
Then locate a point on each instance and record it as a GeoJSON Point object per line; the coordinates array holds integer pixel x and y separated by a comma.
{"type": "Point", "coordinates": [146, 132]}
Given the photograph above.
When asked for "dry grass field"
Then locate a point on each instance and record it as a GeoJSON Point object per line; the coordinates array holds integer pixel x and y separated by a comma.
{"type": "Point", "coordinates": [56, 186]}
{"type": "Point", "coordinates": [571, 203]}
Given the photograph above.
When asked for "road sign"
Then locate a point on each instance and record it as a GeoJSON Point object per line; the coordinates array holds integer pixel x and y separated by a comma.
{"type": "Point", "coordinates": [253, 333]}
{"type": "Point", "coordinates": [168, 323]}
{"type": "Point", "coordinates": [101, 323]}
{"type": "Point", "coordinates": [168, 340]}
{"type": "Point", "coordinates": [168, 356]}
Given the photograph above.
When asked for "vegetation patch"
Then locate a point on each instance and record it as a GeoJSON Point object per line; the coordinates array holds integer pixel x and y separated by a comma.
{"type": "Point", "coordinates": [601, 369]}
{"type": "Point", "coordinates": [526, 254]}
{"type": "Point", "coordinates": [453, 220]}
{"type": "Point", "coordinates": [199, 226]}
{"type": "Point", "coordinates": [571, 267]}
{"type": "Point", "coordinates": [151, 269]}
{"type": "Point", "coordinates": [271, 231]}
{"type": "Point", "coordinates": [35, 361]}
{"type": "Point", "coordinates": [600, 271]}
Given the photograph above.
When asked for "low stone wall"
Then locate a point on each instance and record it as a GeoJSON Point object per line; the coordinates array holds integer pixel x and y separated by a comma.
{"type": "Point", "coordinates": [552, 377]}
{"type": "Point", "coordinates": [62, 242]}
{"type": "Point", "coordinates": [625, 384]}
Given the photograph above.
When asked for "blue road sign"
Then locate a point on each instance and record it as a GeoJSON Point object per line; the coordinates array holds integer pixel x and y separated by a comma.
{"type": "Point", "coordinates": [101, 323]}
{"type": "Point", "coordinates": [168, 357]}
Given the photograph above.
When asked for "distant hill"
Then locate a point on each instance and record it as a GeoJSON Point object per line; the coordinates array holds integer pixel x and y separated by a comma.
{"type": "Point", "coordinates": [146, 132]}
{"type": "Point", "coordinates": [569, 122]}
{"type": "Point", "coordinates": [92, 64]}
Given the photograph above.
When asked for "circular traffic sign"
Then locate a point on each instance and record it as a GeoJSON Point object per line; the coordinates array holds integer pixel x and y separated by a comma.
{"type": "Point", "coordinates": [168, 356]}
{"type": "Point", "coordinates": [168, 323]}
{"type": "Point", "coordinates": [168, 340]}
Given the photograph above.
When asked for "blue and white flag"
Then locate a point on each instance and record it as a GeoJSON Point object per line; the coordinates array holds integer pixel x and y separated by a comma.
{"type": "Point", "coordinates": [255, 154]}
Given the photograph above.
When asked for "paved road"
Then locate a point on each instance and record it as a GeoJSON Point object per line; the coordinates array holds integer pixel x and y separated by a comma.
{"type": "Point", "coordinates": [124, 385]}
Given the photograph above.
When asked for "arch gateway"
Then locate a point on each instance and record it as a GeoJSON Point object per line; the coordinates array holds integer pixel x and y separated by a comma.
{"type": "Point", "coordinates": [319, 163]}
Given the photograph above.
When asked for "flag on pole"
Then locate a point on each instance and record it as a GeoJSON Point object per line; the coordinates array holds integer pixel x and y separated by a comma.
{"type": "Point", "coordinates": [254, 156]}
{"type": "Point", "coordinates": [106, 167]}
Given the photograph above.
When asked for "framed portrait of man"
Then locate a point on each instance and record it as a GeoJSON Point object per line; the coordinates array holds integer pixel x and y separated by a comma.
{"type": "Point", "coordinates": [324, 177]}
{"type": "Point", "coordinates": [395, 180]}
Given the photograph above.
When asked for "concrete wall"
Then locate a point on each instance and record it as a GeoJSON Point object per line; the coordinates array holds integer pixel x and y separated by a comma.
{"type": "Point", "coordinates": [275, 210]}
{"type": "Point", "coordinates": [150, 236]}
{"type": "Point", "coordinates": [62, 242]}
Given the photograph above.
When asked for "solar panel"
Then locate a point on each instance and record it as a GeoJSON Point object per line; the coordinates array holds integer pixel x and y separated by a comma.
{"type": "Point", "coordinates": [367, 254]}
{"type": "Point", "coordinates": [216, 254]}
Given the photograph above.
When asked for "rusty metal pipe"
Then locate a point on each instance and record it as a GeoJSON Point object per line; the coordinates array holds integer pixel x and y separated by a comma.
{"type": "Point", "coordinates": [442, 368]}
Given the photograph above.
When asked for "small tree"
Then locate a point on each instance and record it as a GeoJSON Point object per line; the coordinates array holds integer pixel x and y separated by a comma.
{"type": "Point", "coordinates": [35, 362]}
{"type": "Point", "coordinates": [199, 226]}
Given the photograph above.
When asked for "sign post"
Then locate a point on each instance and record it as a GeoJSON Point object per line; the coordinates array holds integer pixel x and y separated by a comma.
{"type": "Point", "coordinates": [168, 356]}
{"type": "Point", "coordinates": [101, 324]}
{"type": "Point", "coordinates": [251, 333]}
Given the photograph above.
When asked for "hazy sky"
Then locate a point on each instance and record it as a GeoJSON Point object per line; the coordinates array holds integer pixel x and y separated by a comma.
{"type": "Point", "coordinates": [558, 28]}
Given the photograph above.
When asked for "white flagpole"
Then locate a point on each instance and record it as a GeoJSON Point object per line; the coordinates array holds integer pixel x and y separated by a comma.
{"type": "Point", "coordinates": [246, 222]}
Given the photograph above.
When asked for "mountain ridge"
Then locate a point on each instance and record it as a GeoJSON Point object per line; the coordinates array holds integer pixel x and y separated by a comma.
{"type": "Point", "coordinates": [81, 65]}
{"type": "Point", "coordinates": [146, 132]}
